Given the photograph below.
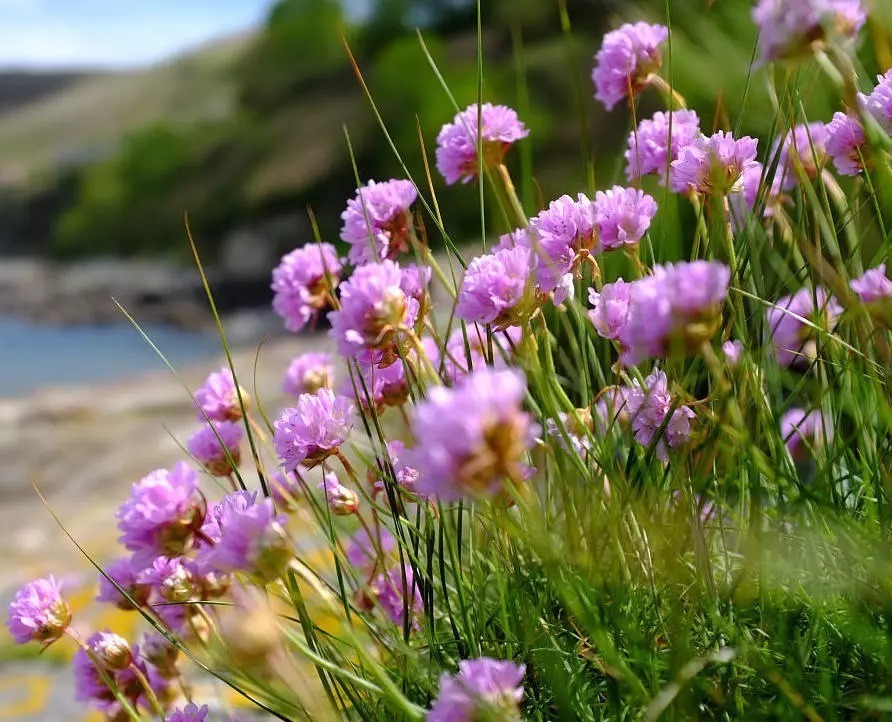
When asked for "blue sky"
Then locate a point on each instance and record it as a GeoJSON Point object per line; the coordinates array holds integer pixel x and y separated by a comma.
{"type": "Point", "coordinates": [114, 33]}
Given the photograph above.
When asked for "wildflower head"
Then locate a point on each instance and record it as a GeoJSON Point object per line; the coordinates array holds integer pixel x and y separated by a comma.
{"type": "Point", "coordinates": [160, 653]}
{"type": "Point", "coordinates": [342, 500]}
{"type": "Point", "coordinates": [162, 514]}
{"type": "Point", "coordinates": [733, 351]}
{"type": "Point", "coordinates": [498, 130]}
{"type": "Point", "coordinates": [468, 349]}
{"type": "Point", "coordinates": [216, 446]}
{"type": "Point", "coordinates": [610, 308]}
{"type": "Point", "coordinates": [626, 60]}
{"type": "Point", "coordinates": [171, 578]}
{"type": "Point", "coordinates": [112, 650]}
{"type": "Point", "coordinates": [879, 102]}
{"type": "Point", "coordinates": [483, 688]}
{"type": "Point", "coordinates": [308, 373]}
{"type": "Point", "coordinates": [873, 286]}
{"type": "Point", "coordinates": [793, 28]}
{"type": "Point", "coordinates": [189, 713]}
{"type": "Point", "coordinates": [378, 221]}
{"type": "Point", "coordinates": [404, 475]}
{"type": "Point", "coordinates": [366, 552]}
{"type": "Point", "coordinates": [313, 429]}
{"type": "Point", "coordinates": [671, 312]}
{"type": "Point", "coordinates": [657, 142]}
{"type": "Point", "coordinates": [794, 340]}
{"type": "Point", "coordinates": [713, 165]}
{"type": "Point", "coordinates": [562, 236]}
{"type": "Point", "coordinates": [845, 141]}
{"type": "Point", "coordinates": [496, 289]}
{"type": "Point", "coordinates": [396, 591]}
{"type": "Point", "coordinates": [304, 282]}
{"type": "Point", "coordinates": [38, 613]}
{"type": "Point", "coordinates": [252, 537]}
{"type": "Point", "coordinates": [218, 398]}
{"type": "Point", "coordinates": [657, 419]}
{"type": "Point", "coordinates": [472, 437]}
{"type": "Point", "coordinates": [125, 574]}
{"type": "Point", "coordinates": [805, 146]}
{"type": "Point", "coordinates": [805, 432]}
{"type": "Point", "coordinates": [622, 216]}
{"type": "Point", "coordinates": [374, 308]}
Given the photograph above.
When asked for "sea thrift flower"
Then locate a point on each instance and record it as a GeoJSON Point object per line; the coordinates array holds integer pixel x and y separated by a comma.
{"type": "Point", "coordinates": [654, 145]}
{"type": "Point", "coordinates": [804, 432]}
{"type": "Point", "coordinates": [374, 308]}
{"type": "Point", "coordinates": [499, 129]}
{"type": "Point", "coordinates": [672, 312]}
{"type": "Point", "coordinates": [391, 590]}
{"type": "Point", "coordinates": [473, 435]}
{"type": "Point", "coordinates": [804, 146]}
{"type": "Point", "coordinates": [793, 340]}
{"type": "Point", "coordinates": [732, 351]}
{"type": "Point", "coordinates": [303, 283]}
{"type": "Point", "coordinates": [172, 578]}
{"type": "Point", "coordinates": [91, 687]}
{"type": "Point", "coordinates": [308, 373]}
{"type": "Point", "coordinates": [363, 552]}
{"type": "Point", "coordinates": [790, 28]}
{"type": "Point", "coordinates": [38, 613]}
{"type": "Point", "coordinates": [160, 653]}
{"type": "Point", "coordinates": [211, 444]}
{"type": "Point", "coordinates": [572, 432]}
{"type": "Point", "coordinates": [342, 500]}
{"type": "Point", "coordinates": [405, 476]}
{"type": "Point", "coordinates": [649, 405]}
{"type": "Point", "coordinates": [218, 400]}
{"type": "Point", "coordinates": [313, 429]}
{"type": "Point", "coordinates": [497, 289]}
{"type": "Point", "coordinates": [189, 713]}
{"type": "Point", "coordinates": [162, 514]}
{"type": "Point", "coordinates": [252, 537]}
{"type": "Point", "coordinates": [873, 286]}
{"type": "Point", "coordinates": [562, 236]}
{"type": "Point", "coordinates": [125, 575]}
{"type": "Point", "coordinates": [610, 308]}
{"type": "Point", "coordinates": [377, 221]}
{"type": "Point", "coordinates": [112, 650]}
{"type": "Point", "coordinates": [879, 102]}
{"type": "Point", "coordinates": [626, 60]}
{"type": "Point", "coordinates": [484, 688]}
{"type": "Point", "coordinates": [713, 165]}
{"type": "Point", "coordinates": [845, 140]}
{"type": "Point", "coordinates": [622, 216]}
{"type": "Point", "coordinates": [388, 386]}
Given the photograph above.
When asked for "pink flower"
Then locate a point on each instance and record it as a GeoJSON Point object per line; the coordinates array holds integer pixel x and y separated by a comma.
{"type": "Point", "coordinates": [341, 500]}
{"type": "Point", "coordinates": [879, 102]}
{"type": "Point", "coordinates": [803, 433]}
{"type": "Point", "coordinates": [216, 446]}
{"type": "Point", "coordinates": [789, 28]}
{"type": "Point", "coordinates": [873, 286]}
{"type": "Point", "coordinates": [313, 429]}
{"type": "Point", "coordinates": [484, 688]}
{"type": "Point", "coordinates": [308, 373]}
{"type": "Point", "coordinates": [374, 307]}
{"type": "Point", "coordinates": [38, 613]}
{"type": "Point", "coordinates": [610, 308]}
{"type": "Point", "coordinates": [657, 142]}
{"type": "Point", "coordinates": [626, 60]}
{"type": "Point", "coordinates": [500, 128]}
{"type": "Point", "coordinates": [622, 216]}
{"type": "Point", "coordinates": [497, 289]}
{"type": "Point", "coordinates": [218, 399]}
{"type": "Point", "coordinates": [845, 140]}
{"type": "Point", "coordinates": [794, 340]}
{"type": "Point", "coordinates": [378, 220]}
{"type": "Point", "coordinates": [714, 165]}
{"type": "Point", "coordinates": [649, 404]}
{"type": "Point", "coordinates": [303, 283]}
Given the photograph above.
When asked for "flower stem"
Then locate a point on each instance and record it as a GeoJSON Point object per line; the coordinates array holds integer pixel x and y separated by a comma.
{"type": "Point", "coordinates": [520, 216]}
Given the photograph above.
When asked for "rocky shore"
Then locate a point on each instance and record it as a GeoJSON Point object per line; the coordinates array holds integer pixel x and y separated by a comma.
{"type": "Point", "coordinates": [84, 446]}
{"type": "Point", "coordinates": [154, 293]}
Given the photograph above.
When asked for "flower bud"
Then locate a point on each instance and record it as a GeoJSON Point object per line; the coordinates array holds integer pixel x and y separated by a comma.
{"type": "Point", "coordinates": [112, 650]}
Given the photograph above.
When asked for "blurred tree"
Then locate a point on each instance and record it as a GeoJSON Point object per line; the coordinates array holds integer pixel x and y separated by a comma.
{"type": "Point", "coordinates": [301, 42]}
